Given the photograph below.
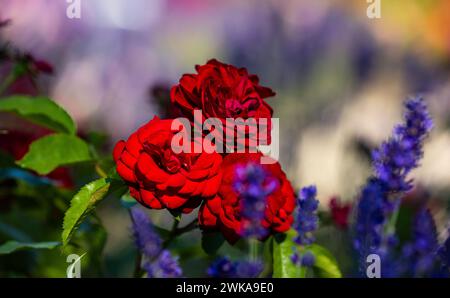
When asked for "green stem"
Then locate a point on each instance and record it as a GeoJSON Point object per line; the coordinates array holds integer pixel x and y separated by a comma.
{"type": "Point", "coordinates": [179, 231]}
{"type": "Point", "coordinates": [390, 229]}
{"type": "Point", "coordinates": [253, 242]}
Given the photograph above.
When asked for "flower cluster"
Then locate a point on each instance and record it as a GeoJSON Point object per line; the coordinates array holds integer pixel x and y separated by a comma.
{"type": "Point", "coordinates": [306, 223]}
{"type": "Point", "coordinates": [395, 159]}
{"type": "Point", "coordinates": [392, 162]}
{"type": "Point", "coordinates": [237, 196]}
{"type": "Point", "coordinates": [371, 215]}
{"type": "Point", "coordinates": [254, 187]}
{"type": "Point", "coordinates": [158, 261]}
{"type": "Point", "coordinates": [223, 91]}
{"type": "Point", "coordinates": [307, 219]}
{"type": "Point", "coordinates": [223, 267]}
{"type": "Point", "coordinates": [420, 255]}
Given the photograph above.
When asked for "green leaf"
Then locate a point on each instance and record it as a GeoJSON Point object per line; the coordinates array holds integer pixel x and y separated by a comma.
{"type": "Point", "coordinates": [12, 246]}
{"type": "Point", "coordinates": [268, 258]}
{"type": "Point", "coordinates": [40, 110]}
{"type": "Point", "coordinates": [53, 151]}
{"type": "Point", "coordinates": [282, 252]}
{"type": "Point", "coordinates": [283, 247]}
{"type": "Point", "coordinates": [82, 204]}
{"type": "Point", "coordinates": [211, 242]}
{"type": "Point", "coordinates": [325, 264]}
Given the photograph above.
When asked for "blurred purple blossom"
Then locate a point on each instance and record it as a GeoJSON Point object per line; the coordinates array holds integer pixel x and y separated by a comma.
{"type": "Point", "coordinates": [395, 159]}
{"type": "Point", "coordinates": [307, 219]}
{"type": "Point", "coordinates": [145, 237]}
{"type": "Point", "coordinates": [224, 267]}
{"type": "Point", "coordinates": [424, 256]}
{"type": "Point", "coordinates": [253, 185]}
{"type": "Point", "coordinates": [158, 262]}
{"type": "Point", "coordinates": [165, 266]}
{"type": "Point", "coordinates": [380, 197]}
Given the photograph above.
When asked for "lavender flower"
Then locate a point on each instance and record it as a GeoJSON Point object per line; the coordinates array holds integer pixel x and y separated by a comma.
{"type": "Point", "coordinates": [249, 269]}
{"type": "Point", "coordinates": [306, 223]}
{"type": "Point", "coordinates": [420, 257]}
{"type": "Point", "coordinates": [370, 218]}
{"type": "Point", "coordinates": [158, 262]}
{"type": "Point", "coordinates": [392, 163]}
{"type": "Point", "coordinates": [444, 257]}
{"type": "Point", "coordinates": [223, 267]}
{"type": "Point", "coordinates": [165, 266]}
{"type": "Point", "coordinates": [254, 185]}
{"type": "Point", "coordinates": [146, 239]}
{"type": "Point", "coordinates": [308, 259]}
{"type": "Point", "coordinates": [395, 159]}
{"type": "Point", "coordinates": [307, 220]}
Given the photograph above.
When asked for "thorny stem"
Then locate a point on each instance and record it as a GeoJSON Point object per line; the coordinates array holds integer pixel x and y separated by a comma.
{"type": "Point", "coordinates": [179, 231]}
{"type": "Point", "coordinates": [174, 233]}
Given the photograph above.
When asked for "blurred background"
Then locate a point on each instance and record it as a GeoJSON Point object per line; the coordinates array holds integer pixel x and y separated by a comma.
{"type": "Point", "coordinates": [339, 76]}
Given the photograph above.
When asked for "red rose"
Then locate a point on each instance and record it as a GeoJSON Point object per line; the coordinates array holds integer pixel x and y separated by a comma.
{"type": "Point", "coordinates": [223, 211]}
{"type": "Point", "coordinates": [340, 212]}
{"type": "Point", "coordinates": [157, 177]}
{"type": "Point", "coordinates": [223, 91]}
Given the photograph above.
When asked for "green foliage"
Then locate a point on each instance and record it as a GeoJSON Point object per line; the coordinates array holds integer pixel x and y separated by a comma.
{"type": "Point", "coordinates": [325, 265]}
{"type": "Point", "coordinates": [282, 252]}
{"type": "Point", "coordinates": [53, 151]}
{"type": "Point", "coordinates": [211, 242]}
{"type": "Point", "coordinates": [283, 247]}
{"type": "Point", "coordinates": [82, 204]}
{"type": "Point", "coordinates": [40, 110]}
{"type": "Point", "coordinates": [12, 246]}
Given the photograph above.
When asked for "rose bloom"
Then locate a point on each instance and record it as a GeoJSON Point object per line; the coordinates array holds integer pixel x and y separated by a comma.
{"type": "Point", "coordinates": [224, 91]}
{"type": "Point", "coordinates": [157, 177]}
{"type": "Point", "coordinates": [340, 212]}
{"type": "Point", "coordinates": [223, 211]}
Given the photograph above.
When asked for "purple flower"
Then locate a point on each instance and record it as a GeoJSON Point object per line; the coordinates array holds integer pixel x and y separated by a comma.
{"type": "Point", "coordinates": [249, 269]}
{"type": "Point", "coordinates": [307, 259]}
{"type": "Point", "coordinates": [158, 262]}
{"type": "Point", "coordinates": [307, 220]}
{"type": "Point", "coordinates": [223, 267]}
{"type": "Point", "coordinates": [419, 258]}
{"type": "Point", "coordinates": [254, 186]}
{"type": "Point", "coordinates": [395, 159]}
{"type": "Point", "coordinates": [146, 239]}
{"type": "Point", "coordinates": [370, 218]}
{"type": "Point", "coordinates": [165, 266]}
{"type": "Point", "coordinates": [444, 257]}
{"type": "Point", "coordinates": [305, 224]}
{"type": "Point", "coordinates": [392, 163]}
